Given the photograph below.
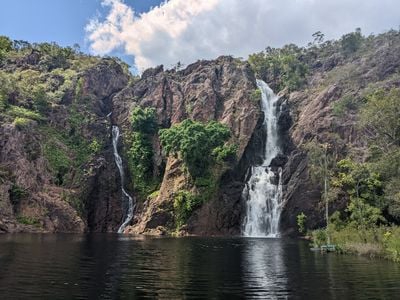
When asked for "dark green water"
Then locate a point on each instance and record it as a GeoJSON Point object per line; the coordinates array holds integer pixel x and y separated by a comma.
{"type": "Point", "coordinates": [111, 266]}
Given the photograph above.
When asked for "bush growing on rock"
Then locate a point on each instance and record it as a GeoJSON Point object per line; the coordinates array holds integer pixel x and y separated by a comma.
{"type": "Point", "coordinates": [140, 152]}
{"type": "Point", "coordinates": [351, 42]}
{"type": "Point", "coordinates": [196, 143]}
{"type": "Point", "coordinates": [144, 120]}
{"type": "Point", "coordinates": [184, 204]}
{"type": "Point", "coordinates": [21, 123]}
{"type": "Point", "coordinates": [301, 222]}
{"type": "Point", "coordinates": [281, 67]}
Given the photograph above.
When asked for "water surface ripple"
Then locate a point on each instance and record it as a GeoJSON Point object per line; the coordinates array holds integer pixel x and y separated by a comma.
{"type": "Point", "coordinates": [110, 266]}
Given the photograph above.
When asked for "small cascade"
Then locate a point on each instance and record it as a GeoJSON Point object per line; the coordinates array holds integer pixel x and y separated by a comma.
{"type": "Point", "coordinates": [263, 190]}
{"type": "Point", "coordinates": [127, 200]}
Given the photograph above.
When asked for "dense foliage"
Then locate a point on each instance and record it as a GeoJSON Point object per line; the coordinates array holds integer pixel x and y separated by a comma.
{"type": "Point", "coordinates": [371, 186]}
{"type": "Point", "coordinates": [204, 149]}
{"type": "Point", "coordinates": [140, 151]}
{"type": "Point", "coordinates": [282, 67]}
{"type": "Point", "coordinates": [185, 203]}
{"type": "Point", "coordinates": [198, 144]}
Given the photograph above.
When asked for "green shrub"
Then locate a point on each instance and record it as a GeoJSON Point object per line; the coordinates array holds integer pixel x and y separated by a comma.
{"type": "Point", "coordinates": [154, 194]}
{"type": "Point", "coordinates": [17, 193]}
{"type": "Point", "coordinates": [21, 123]}
{"type": "Point", "coordinates": [28, 220]}
{"type": "Point", "coordinates": [54, 56]}
{"type": "Point", "coordinates": [74, 200]}
{"type": "Point", "coordinates": [282, 67]}
{"type": "Point", "coordinates": [351, 42]}
{"type": "Point", "coordinates": [95, 146]}
{"type": "Point", "coordinates": [140, 161]}
{"type": "Point", "coordinates": [363, 215]}
{"type": "Point", "coordinates": [17, 111]}
{"type": "Point", "coordinates": [5, 46]}
{"type": "Point", "coordinates": [184, 204]}
{"type": "Point", "coordinates": [345, 104]}
{"type": "Point", "coordinates": [225, 153]}
{"type": "Point", "coordinates": [336, 222]}
{"type": "Point", "coordinates": [391, 241]}
{"type": "Point", "coordinates": [301, 223]}
{"type": "Point", "coordinates": [319, 237]}
{"type": "Point", "coordinates": [144, 120]}
{"type": "Point", "coordinates": [256, 95]}
{"type": "Point", "coordinates": [140, 150]}
{"type": "Point", "coordinates": [194, 142]}
{"type": "Point", "coordinates": [59, 160]}
{"type": "Point", "coordinates": [3, 102]}
{"type": "Point", "coordinates": [40, 100]}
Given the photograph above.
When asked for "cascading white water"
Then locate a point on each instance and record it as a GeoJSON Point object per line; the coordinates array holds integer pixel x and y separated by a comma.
{"type": "Point", "coordinates": [125, 195]}
{"type": "Point", "coordinates": [264, 190]}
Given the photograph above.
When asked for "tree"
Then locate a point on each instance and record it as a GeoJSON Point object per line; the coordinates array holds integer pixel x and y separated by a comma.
{"type": "Point", "coordinates": [363, 215]}
{"type": "Point", "coordinates": [281, 67]}
{"type": "Point", "coordinates": [318, 37]}
{"type": "Point", "coordinates": [359, 181]}
{"type": "Point", "coordinates": [144, 120]}
{"type": "Point", "coordinates": [54, 56]}
{"type": "Point", "coordinates": [320, 164]}
{"type": "Point", "coordinates": [301, 222]}
{"type": "Point", "coordinates": [351, 42]}
{"type": "Point", "coordinates": [5, 46]}
{"type": "Point", "coordinates": [140, 152]}
{"type": "Point", "coordinates": [195, 143]}
{"type": "Point", "coordinates": [380, 117]}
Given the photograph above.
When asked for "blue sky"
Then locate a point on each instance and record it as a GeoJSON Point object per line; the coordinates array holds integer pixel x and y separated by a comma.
{"type": "Point", "coordinates": [60, 21]}
{"type": "Point", "coordinates": [146, 33]}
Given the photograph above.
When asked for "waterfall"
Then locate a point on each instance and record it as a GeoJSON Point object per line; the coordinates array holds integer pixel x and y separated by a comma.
{"type": "Point", "coordinates": [126, 198]}
{"type": "Point", "coordinates": [263, 190]}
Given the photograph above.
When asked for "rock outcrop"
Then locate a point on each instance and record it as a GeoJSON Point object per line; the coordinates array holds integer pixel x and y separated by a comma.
{"type": "Point", "coordinates": [57, 170]}
{"type": "Point", "coordinates": [42, 187]}
{"type": "Point", "coordinates": [207, 90]}
{"type": "Point", "coordinates": [311, 108]}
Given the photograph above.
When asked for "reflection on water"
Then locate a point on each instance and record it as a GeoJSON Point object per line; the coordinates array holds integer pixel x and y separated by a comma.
{"type": "Point", "coordinates": [265, 274]}
{"type": "Point", "coordinates": [108, 266]}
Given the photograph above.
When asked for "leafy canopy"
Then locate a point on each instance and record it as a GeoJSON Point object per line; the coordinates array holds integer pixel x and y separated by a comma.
{"type": "Point", "coordinates": [140, 152]}
{"type": "Point", "coordinates": [144, 120]}
{"type": "Point", "coordinates": [282, 66]}
{"type": "Point", "coordinates": [196, 143]}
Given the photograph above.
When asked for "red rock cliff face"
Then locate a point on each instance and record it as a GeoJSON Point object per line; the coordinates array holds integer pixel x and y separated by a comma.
{"type": "Point", "coordinates": [207, 90]}
{"type": "Point", "coordinates": [31, 199]}
{"type": "Point", "coordinates": [311, 109]}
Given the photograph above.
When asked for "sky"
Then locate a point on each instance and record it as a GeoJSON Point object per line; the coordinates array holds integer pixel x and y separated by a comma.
{"type": "Point", "coordinates": [146, 33]}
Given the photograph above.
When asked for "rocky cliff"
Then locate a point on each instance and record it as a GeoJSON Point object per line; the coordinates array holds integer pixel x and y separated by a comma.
{"type": "Point", "coordinates": [326, 109]}
{"type": "Point", "coordinates": [57, 170]}
{"type": "Point", "coordinates": [56, 162]}
{"type": "Point", "coordinates": [218, 90]}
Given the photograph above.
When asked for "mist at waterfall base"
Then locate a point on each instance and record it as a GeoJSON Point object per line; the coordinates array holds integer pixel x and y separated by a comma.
{"type": "Point", "coordinates": [128, 205]}
{"type": "Point", "coordinates": [114, 266]}
{"type": "Point", "coordinates": [263, 191]}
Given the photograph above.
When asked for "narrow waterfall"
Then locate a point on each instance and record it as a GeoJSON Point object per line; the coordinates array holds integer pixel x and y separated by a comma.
{"type": "Point", "coordinates": [263, 190]}
{"type": "Point", "coordinates": [127, 201]}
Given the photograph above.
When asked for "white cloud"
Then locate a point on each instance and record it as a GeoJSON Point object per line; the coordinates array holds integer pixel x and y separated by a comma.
{"type": "Point", "coordinates": [187, 30]}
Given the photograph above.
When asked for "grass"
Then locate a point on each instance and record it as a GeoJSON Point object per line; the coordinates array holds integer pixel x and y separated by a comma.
{"type": "Point", "coordinates": [28, 220]}
{"type": "Point", "coordinates": [21, 123]}
{"type": "Point", "coordinates": [18, 111]}
{"type": "Point", "coordinates": [376, 242]}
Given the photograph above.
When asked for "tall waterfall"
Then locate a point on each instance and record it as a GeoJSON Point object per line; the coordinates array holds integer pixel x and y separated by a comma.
{"type": "Point", "coordinates": [264, 189]}
{"type": "Point", "coordinates": [126, 198]}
